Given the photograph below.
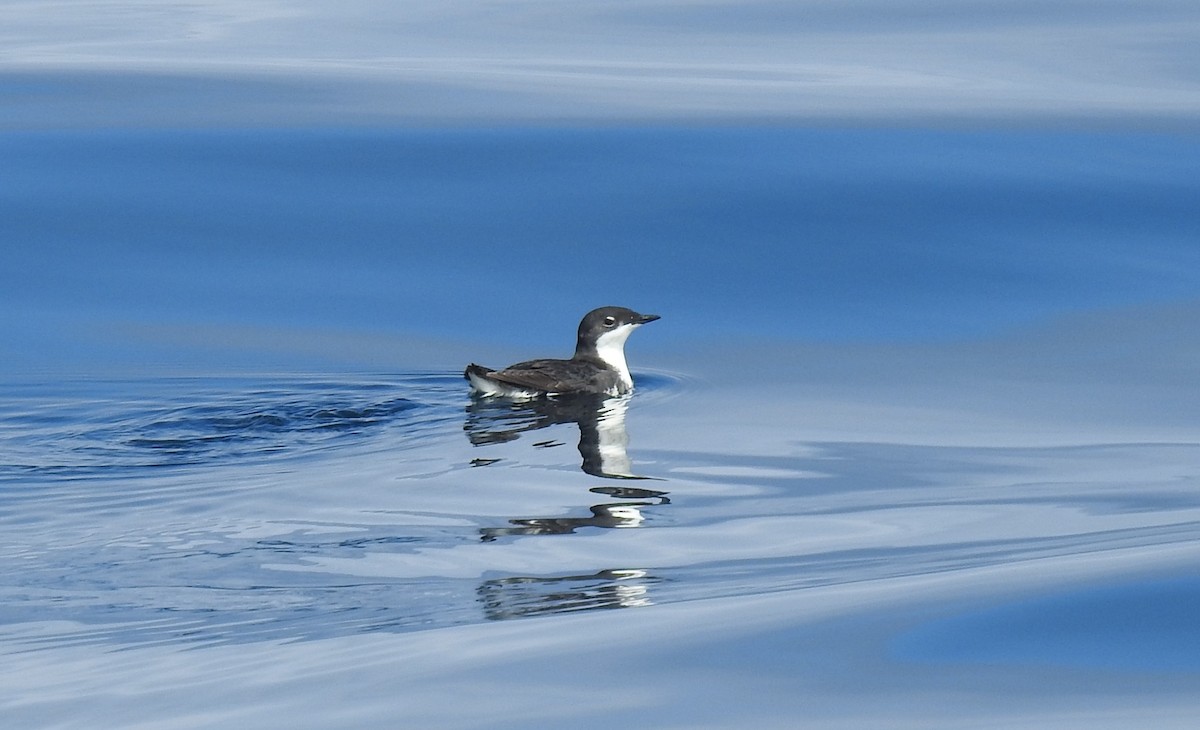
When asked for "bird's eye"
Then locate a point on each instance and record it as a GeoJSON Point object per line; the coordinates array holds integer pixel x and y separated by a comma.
{"type": "Point", "coordinates": [610, 321]}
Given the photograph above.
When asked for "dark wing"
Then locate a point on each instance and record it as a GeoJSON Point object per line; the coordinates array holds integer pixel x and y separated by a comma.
{"type": "Point", "coordinates": [557, 376]}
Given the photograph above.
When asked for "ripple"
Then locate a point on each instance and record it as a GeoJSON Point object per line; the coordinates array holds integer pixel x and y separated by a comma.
{"type": "Point", "coordinates": [191, 512]}
{"type": "Point", "coordinates": [661, 385]}
{"type": "Point", "coordinates": [122, 427]}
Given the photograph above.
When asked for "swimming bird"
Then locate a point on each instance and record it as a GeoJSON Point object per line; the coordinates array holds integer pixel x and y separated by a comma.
{"type": "Point", "coordinates": [598, 365]}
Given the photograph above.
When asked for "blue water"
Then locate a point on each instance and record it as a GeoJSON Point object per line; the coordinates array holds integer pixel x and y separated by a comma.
{"type": "Point", "coordinates": [915, 442]}
{"type": "Point", "coordinates": [1148, 626]}
{"type": "Point", "coordinates": [779, 233]}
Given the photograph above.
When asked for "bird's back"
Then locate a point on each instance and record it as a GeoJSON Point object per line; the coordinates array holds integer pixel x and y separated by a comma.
{"type": "Point", "coordinates": [558, 376]}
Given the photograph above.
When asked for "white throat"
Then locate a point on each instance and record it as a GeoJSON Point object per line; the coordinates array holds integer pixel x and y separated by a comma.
{"type": "Point", "coordinates": [610, 347]}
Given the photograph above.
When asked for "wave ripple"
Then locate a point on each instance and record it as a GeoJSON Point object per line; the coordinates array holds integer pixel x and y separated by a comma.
{"type": "Point", "coordinates": [98, 428]}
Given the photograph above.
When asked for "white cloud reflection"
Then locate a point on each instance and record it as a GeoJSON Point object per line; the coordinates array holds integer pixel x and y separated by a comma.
{"type": "Point", "coordinates": [648, 59]}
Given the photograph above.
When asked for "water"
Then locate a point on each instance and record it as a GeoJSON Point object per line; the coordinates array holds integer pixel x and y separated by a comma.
{"type": "Point", "coordinates": [915, 443]}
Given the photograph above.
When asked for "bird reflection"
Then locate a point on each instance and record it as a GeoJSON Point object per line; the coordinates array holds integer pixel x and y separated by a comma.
{"type": "Point", "coordinates": [601, 421]}
{"type": "Point", "coordinates": [610, 514]}
{"type": "Point", "coordinates": [518, 597]}
{"type": "Point", "coordinates": [602, 447]}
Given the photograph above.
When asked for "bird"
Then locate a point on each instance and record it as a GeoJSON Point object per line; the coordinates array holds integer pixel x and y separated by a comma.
{"type": "Point", "coordinates": [598, 365]}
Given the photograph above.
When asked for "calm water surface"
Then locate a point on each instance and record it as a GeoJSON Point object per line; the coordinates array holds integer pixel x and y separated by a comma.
{"type": "Point", "coordinates": [915, 443]}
